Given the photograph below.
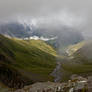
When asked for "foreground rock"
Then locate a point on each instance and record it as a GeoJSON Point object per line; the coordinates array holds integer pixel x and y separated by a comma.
{"type": "Point", "coordinates": [76, 84]}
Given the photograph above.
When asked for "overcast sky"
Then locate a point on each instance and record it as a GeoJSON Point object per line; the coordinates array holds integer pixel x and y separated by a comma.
{"type": "Point", "coordinates": [69, 12]}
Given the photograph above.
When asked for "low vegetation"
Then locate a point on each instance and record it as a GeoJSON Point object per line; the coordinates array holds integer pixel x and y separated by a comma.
{"type": "Point", "coordinates": [33, 60]}
{"type": "Point", "coordinates": [78, 60]}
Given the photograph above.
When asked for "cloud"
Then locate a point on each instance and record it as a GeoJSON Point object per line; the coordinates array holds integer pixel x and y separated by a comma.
{"type": "Point", "coordinates": [42, 7]}
{"type": "Point", "coordinates": [63, 17]}
{"type": "Point", "coordinates": [69, 12]}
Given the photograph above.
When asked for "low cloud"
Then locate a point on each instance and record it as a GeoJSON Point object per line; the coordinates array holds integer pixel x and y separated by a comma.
{"type": "Point", "coordinates": [72, 13]}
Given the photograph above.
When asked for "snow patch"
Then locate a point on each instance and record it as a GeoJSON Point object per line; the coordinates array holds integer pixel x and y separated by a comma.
{"type": "Point", "coordinates": [40, 38]}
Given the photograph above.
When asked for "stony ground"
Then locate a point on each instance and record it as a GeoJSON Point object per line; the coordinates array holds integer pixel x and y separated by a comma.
{"type": "Point", "coordinates": [76, 84]}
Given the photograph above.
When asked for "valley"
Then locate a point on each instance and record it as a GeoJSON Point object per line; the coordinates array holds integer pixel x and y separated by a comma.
{"type": "Point", "coordinates": [25, 62]}
{"type": "Point", "coordinates": [45, 46]}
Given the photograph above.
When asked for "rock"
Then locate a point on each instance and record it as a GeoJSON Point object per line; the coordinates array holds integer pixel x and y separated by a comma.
{"type": "Point", "coordinates": [71, 90]}
{"type": "Point", "coordinates": [80, 85]}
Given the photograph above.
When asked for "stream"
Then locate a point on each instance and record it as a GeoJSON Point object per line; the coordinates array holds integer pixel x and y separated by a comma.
{"type": "Point", "coordinates": [57, 72]}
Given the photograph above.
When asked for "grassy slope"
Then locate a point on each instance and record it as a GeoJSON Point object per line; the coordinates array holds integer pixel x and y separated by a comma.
{"type": "Point", "coordinates": [76, 62]}
{"type": "Point", "coordinates": [33, 59]}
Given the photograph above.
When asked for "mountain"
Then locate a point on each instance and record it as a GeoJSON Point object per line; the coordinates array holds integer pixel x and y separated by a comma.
{"type": "Point", "coordinates": [23, 62]}
{"type": "Point", "coordinates": [15, 29]}
{"type": "Point", "coordinates": [78, 59]}
{"type": "Point", "coordinates": [65, 35]}
{"type": "Point", "coordinates": [81, 51]}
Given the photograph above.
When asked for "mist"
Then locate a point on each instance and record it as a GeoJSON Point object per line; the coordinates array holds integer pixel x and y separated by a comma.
{"type": "Point", "coordinates": [44, 13]}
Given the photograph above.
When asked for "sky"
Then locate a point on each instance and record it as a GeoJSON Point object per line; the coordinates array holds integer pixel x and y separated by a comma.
{"type": "Point", "coordinates": [73, 13]}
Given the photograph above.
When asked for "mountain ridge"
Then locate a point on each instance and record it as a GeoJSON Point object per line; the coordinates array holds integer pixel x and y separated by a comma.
{"type": "Point", "coordinates": [65, 35]}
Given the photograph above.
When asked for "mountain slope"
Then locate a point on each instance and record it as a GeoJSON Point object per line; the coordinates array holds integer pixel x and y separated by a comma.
{"type": "Point", "coordinates": [29, 60]}
{"type": "Point", "coordinates": [79, 59]}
